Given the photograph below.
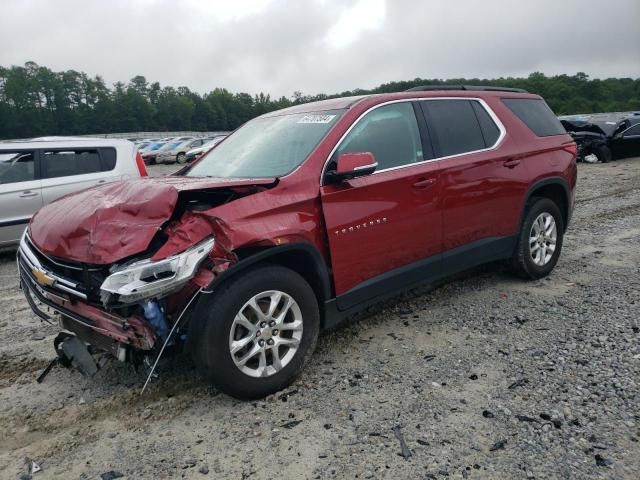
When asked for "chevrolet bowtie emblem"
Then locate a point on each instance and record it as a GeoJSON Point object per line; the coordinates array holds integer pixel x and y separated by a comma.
{"type": "Point", "coordinates": [42, 278]}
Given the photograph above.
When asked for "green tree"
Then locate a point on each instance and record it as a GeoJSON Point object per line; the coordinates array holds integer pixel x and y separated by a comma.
{"type": "Point", "coordinates": [34, 100]}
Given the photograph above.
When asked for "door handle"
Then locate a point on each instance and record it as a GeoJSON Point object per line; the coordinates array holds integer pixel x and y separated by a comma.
{"type": "Point", "coordinates": [512, 162]}
{"type": "Point", "coordinates": [424, 183]}
{"type": "Point", "coordinates": [101, 181]}
{"type": "Point", "coordinates": [28, 194]}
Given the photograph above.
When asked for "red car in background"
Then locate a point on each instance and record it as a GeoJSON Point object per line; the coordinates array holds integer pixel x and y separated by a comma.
{"type": "Point", "coordinates": [298, 219]}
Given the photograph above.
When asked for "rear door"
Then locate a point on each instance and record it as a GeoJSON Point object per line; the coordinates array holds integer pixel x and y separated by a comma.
{"type": "Point", "coordinates": [68, 170]}
{"type": "Point", "coordinates": [389, 219]}
{"type": "Point", "coordinates": [20, 193]}
{"type": "Point", "coordinates": [477, 183]}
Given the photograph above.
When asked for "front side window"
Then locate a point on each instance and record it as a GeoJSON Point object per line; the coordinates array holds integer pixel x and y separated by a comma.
{"type": "Point", "coordinates": [389, 132]}
{"type": "Point", "coordinates": [267, 146]}
{"type": "Point", "coordinates": [16, 166]}
{"type": "Point", "coordinates": [66, 163]}
{"type": "Point", "coordinates": [633, 131]}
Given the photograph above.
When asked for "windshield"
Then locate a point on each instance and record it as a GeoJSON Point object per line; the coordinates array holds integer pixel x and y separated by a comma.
{"type": "Point", "coordinates": [266, 146]}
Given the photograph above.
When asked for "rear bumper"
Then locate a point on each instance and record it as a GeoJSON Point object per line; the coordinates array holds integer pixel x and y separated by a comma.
{"type": "Point", "coordinates": [92, 324]}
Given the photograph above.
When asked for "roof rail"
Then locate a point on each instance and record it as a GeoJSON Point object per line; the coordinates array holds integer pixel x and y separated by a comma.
{"type": "Point", "coordinates": [425, 88]}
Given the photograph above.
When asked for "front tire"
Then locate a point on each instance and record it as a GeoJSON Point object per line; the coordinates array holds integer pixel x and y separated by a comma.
{"type": "Point", "coordinates": [540, 239]}
{"type": "Point", "coordinates": [603, 153]}
{"type": "Point", "coordinates": [252, 336]}
{"type": "Point", "coordinates": [180, 158]}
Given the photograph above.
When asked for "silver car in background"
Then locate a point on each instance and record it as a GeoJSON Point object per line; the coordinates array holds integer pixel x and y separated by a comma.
{"type": "Point", "coordinates": [208, 144]}
{"type": "Point", "coordinates": [177, 151]}
{"type": "Point", "coordinates": [36, 172]}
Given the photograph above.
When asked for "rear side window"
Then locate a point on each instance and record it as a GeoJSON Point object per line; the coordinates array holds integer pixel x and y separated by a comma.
{"type": "Point", "coordinates": [455, 127]}
{"type": "Point", "coordinates": [17, 166]}
{"type": "Point", "coordinates": [66, 163]}
{"type": "Point", "coordinates": [490, 130]}
{"type": "Point", "coordinates": [536, 114]}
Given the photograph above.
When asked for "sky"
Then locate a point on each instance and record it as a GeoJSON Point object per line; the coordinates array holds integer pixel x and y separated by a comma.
{"type": "Point", "coordinates": [320, 46]}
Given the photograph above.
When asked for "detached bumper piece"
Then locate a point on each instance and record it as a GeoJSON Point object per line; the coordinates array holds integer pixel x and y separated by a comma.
{"type": "Point", "coordinates": [74, 353]}
{"type": "Point", "coordinates": [91, 324]}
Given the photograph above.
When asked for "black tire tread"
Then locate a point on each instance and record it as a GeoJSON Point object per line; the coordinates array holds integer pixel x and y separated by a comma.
{"type": "Point", "coordinates": [205, 330]}
{"type": "Point", "coordinates": [522, 265]}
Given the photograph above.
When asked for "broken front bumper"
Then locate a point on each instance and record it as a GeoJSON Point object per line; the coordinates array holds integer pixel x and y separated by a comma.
{"type": "Point", "coordinates": [95, 326]}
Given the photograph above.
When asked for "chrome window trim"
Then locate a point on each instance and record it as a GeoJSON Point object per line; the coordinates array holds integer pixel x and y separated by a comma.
{"type": "Point", "coordinates": [483, 104]}
{"type": "Point", "coordinates": [364, 167]}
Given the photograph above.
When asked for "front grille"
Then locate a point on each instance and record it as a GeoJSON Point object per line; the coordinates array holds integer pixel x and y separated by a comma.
{"type": "Point", "coordinates": [72, 277]}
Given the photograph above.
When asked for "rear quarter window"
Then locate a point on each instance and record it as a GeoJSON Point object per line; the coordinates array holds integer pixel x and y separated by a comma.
{"type": "Point", "coordinates": [536, 115]}
{"type": "Point", "coordinates": [108, 155]}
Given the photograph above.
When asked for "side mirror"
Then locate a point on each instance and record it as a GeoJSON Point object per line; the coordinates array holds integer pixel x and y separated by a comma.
{"type": "Point", "coordinates": [352, 165]}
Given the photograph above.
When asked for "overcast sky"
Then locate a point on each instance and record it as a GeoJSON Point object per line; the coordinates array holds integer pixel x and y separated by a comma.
{"type": "Point", "coordinates": [320, 46]}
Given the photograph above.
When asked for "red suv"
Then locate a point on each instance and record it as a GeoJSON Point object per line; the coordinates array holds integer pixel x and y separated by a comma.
{"type": "Point", "coordinates": [297, 220]}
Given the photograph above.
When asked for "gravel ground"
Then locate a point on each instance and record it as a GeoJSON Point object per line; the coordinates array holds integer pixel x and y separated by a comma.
{"type": "Point", "coordinates": [487, 376]}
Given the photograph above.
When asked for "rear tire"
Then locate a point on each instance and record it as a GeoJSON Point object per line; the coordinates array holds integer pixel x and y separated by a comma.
{"type": "Point", "coordinates": [226, 330]}
{"type": "Point", "coordinates": [540, 239]}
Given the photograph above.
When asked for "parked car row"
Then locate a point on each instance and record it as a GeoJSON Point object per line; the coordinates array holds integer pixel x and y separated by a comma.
{"type": "Point", "coordinates": [175, 150]}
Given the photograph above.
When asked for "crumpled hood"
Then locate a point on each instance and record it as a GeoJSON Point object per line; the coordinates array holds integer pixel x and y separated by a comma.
{"type": "Point", "coordinates": [105, 224]}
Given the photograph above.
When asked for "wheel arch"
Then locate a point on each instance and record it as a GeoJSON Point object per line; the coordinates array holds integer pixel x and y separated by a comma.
{"type": "Point", "coordinates": [554, 188]}
{"type": "Point", "coordinates": [302, 258]}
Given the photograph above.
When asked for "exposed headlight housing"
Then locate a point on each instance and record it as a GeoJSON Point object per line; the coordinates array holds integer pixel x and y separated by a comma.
{"type": "Point", "coordinates": [146, 279]}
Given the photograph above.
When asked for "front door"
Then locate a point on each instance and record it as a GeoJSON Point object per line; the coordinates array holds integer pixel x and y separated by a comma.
{"type": "Point", "coordinates": [626, 144]}
{"type": "Point", "coordinates": [386, 220]}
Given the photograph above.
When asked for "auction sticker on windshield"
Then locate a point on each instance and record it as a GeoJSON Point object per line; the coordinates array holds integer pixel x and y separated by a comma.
{"type": "Point", "coordinates": [316, 119]}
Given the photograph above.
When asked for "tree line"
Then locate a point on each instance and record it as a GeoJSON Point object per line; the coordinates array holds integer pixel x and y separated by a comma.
{"type": "Point", "coordinates": [36, 101]}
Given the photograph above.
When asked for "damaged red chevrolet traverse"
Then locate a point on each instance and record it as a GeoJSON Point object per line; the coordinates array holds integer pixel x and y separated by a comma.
{"type": "Point", "coordinates": [297, 220]}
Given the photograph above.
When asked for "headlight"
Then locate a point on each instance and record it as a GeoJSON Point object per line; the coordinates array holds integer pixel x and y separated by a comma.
{"type": "Point", "coordinates": [145, 279]}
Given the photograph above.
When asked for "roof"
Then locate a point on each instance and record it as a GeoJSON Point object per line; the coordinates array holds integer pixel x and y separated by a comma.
{"type": "Point", "coordinates": [319, 106]}
{"type": "Point", "coordinates": [446, 91]}
{"type": "Point", "coordinates": [475, 88]}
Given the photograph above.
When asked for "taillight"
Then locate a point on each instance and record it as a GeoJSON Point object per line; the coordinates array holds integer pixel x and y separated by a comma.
{"type": "Point", "coordinates": [572, 148]}
{"type": "Point", "coordinates": [140, 163]}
